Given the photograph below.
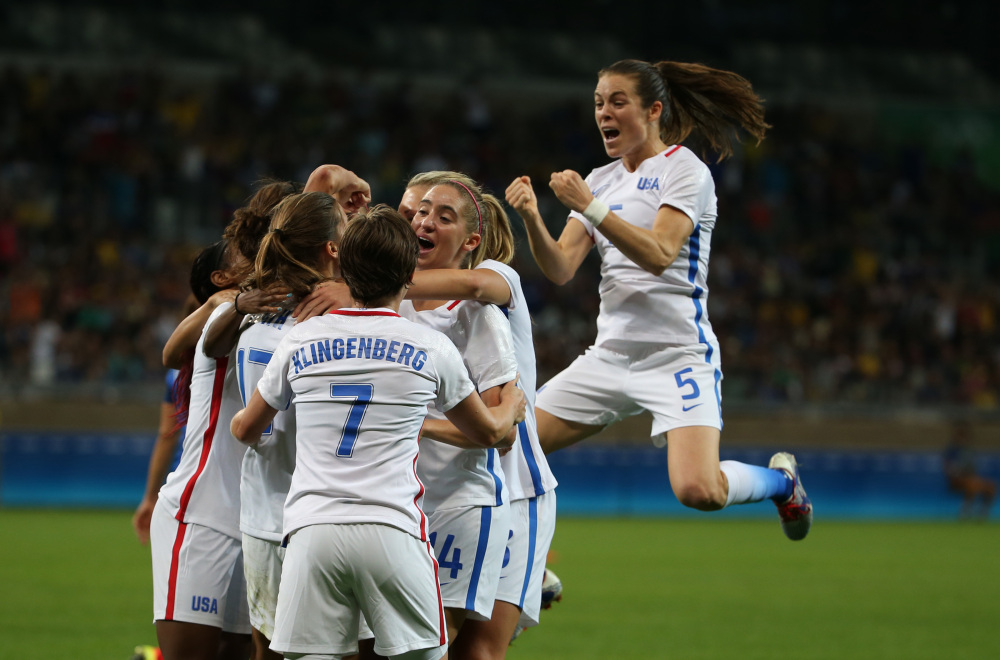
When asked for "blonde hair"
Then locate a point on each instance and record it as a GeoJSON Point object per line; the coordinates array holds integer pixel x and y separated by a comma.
{"type": "Point", "coordinates": [483, 214]}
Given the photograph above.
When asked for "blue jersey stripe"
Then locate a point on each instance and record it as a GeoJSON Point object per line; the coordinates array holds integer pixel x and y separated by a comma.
{"type": "Point", "coordinates": [529, 458]}
{"type": "Point", "coordinates": [532, 536]}
{"type": "Point", "coordinates": [239, 366]}
{"type": "Point", "coordinates": [491, 455]}
{"type": "Point", "coordinates": [694, 252]}
{"type": "Point", "coordinates": [477, 568]}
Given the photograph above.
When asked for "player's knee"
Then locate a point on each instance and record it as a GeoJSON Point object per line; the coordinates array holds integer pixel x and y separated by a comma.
{"type": "Point", "coordinates": [483, 650]}
{"type": "Point", "coordinates": [700, 496]}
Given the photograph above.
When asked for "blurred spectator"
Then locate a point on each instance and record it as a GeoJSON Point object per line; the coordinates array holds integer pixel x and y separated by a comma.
{"type": "Point", "coordinates": [836, 273]}
{"type": "Point", "coordinates": [963, 478]}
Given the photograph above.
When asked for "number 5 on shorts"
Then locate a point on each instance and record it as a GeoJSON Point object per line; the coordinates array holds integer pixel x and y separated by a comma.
{"type": "Point", "coordinates": [361, 393]}
{"type": "Point", "coordinates": [684, 382]}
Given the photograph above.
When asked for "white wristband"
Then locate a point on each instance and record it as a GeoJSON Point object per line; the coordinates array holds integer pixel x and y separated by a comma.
{"type": "Point", "coordinates": [596, 211]}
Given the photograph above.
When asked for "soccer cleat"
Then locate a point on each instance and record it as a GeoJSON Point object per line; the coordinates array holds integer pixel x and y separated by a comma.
{"type": "Point", "coordinates": [147, 653]}
{"type": "Point", "coordinates": [551, 593]}
{"type": "Point", "coordinates": [796, 512]}
{"type": "Point", "coordinates": [551, 589]}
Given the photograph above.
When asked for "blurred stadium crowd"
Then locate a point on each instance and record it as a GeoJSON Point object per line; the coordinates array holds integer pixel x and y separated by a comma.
{"type": "Point", "coordinates": [845, 267]}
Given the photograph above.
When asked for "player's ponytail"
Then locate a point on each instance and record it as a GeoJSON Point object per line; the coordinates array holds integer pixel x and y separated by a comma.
{"type": "Point", "coordinates": [251, 222]}
{"type": "Point", "coordinates": [498, 239]}
{"type": "Point", "coordinates": [712, 103]}
{"type": "Point", "coordinates": [291, 251]}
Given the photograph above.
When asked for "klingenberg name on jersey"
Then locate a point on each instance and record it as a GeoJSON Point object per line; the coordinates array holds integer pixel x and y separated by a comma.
{"type": "Point", "coordinates": [351, 348]}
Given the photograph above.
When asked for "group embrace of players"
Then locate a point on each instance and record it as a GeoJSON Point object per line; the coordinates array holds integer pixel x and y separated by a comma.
{"type": "Point", "coordinates": [363, 471]}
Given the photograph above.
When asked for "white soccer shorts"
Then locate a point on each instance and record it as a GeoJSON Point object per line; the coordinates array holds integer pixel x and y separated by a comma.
{"type": "Point", "coordinates": [679, 385]}
{"type": "Point", "coordinates": [197, 575]}
{"type": "Point", "coordinates": [332, 573]}
{"type": "Point", "coordinates": [262, 566]}
{"type": "Point", "coordinates": [532, 527]}
{"type": "Point", "coordinates": [469, 543]}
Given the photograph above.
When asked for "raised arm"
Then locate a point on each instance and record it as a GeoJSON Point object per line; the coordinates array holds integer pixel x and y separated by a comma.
{"type": "Point", "coordinates": [351, 191]}
{"type": "Point", "coordinates": [652, 250]}
{"type": "Point", "coordinates": [559, 260]}
{"type": "Point", "coordinates": [185, 336]}
{"type": "Point", "coordinates": [484, 426]}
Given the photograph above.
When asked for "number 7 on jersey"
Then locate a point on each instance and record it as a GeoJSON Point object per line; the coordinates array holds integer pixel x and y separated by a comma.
{"type": "Point", "coordinates": [360, 395]}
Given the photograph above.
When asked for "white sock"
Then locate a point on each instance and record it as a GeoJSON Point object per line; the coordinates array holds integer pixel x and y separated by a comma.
{"type": "Point", "coordinates": [752, 483]}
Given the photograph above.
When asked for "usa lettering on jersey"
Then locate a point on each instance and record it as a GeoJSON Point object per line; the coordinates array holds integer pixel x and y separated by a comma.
{"type": "Point", "coordinates": [204, 604]}
{"type": "Point", "coordinates": [648, 183]}
{"type": "Point", "coordinates": [370, 348]}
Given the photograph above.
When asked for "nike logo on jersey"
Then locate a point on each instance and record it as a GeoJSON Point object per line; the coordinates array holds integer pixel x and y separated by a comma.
{"type": "Point", "coordinates": [648, 183]}
{"type": "Point", "coordinates": [687, 408]}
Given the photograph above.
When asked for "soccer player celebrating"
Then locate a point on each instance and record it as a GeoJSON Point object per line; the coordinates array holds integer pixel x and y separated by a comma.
{"type": "Point", "coordinates": [361, 380]}
{"type": "Point", "coordinates": [651, 213]}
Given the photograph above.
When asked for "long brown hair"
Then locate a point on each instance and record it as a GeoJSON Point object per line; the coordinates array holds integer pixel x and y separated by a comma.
{"type": "Point", "coordinates": [251, 222]}
{"type": "Point", "coordinates": [290, 252]}
{"type": "Point", "coordinates": [697, 99]}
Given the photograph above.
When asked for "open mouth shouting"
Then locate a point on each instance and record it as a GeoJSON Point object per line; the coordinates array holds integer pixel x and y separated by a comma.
{"type": "Point", "coordinates": [610, 135]}
{"type": "Point", "coordinates": [426, 244]}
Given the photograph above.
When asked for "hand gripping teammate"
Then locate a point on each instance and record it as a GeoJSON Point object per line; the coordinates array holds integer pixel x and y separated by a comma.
{"type": "Point", "coordinates": [361, 380]}
{"type": "Point", "coordinates": [651, 214]}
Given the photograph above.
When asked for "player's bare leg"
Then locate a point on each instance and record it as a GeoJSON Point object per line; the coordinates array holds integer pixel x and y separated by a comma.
{"type": "Point", "coordinates": [487, 640]}
{"type": "Point", "coordinates": [234, 646]}
{"type": "Point", "coordinates": [693, 464]}
{"type": "Point", "coordinates": [261, 647]}
{"type": "Point", "coordinates": [180, 640]}
{"type": "Point", "coordinates": [555, 433]}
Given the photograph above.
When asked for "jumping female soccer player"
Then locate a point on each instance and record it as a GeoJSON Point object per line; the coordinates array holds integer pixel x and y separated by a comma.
{"type": "Point", "coordinates": [651, 214]}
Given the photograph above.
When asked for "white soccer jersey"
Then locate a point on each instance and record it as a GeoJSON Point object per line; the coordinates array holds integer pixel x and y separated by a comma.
{"type": "Point", "coordinates": [466, 477]}
{"type": "Point", "coordinates": [205, 487]}
{"type": "Point", "coordinates": [268, 465]}
{"type": "Point", "coordinates": [636, 306]}
{"type": "Point", "coordinates": [360, 381]}
{"type": "Point", "coordinates": [524, 466]}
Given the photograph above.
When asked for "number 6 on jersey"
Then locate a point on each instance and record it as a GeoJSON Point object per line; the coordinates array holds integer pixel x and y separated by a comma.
{"type": "Point", "coordinates": [360, 395]}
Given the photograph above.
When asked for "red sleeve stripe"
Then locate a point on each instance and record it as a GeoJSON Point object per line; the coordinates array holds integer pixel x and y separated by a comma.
{"type": "Point", "coordinates": [667, 155]}
{"type": "Point", "coordinates": [206, 443]}
{"type": "Point", "coordinates": [454, 305]}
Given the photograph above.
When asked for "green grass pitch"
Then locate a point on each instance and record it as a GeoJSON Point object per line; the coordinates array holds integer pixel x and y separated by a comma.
{"type": "Point", "coordinates": [76, 584]}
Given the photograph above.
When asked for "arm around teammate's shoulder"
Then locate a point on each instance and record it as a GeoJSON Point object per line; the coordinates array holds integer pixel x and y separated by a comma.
{"type": "Point", "coordinates": [480, 284]}
{"type": "Point", "coordinates": [187, 333]}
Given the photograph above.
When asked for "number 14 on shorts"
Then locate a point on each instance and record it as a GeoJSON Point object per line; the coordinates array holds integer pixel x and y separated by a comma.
{"type": "Point", "coordinates": [444, 563]}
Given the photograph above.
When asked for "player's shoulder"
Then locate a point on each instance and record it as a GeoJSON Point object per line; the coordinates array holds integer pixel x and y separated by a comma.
{"type": "Point", "coordinates": [428, 338]}
{"type": "Point", "coordinates": [679, 157]}
{"type": "Point", "coordinates": [500, 267]}
{"type": "Point", "coordinates": [601, 173]}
